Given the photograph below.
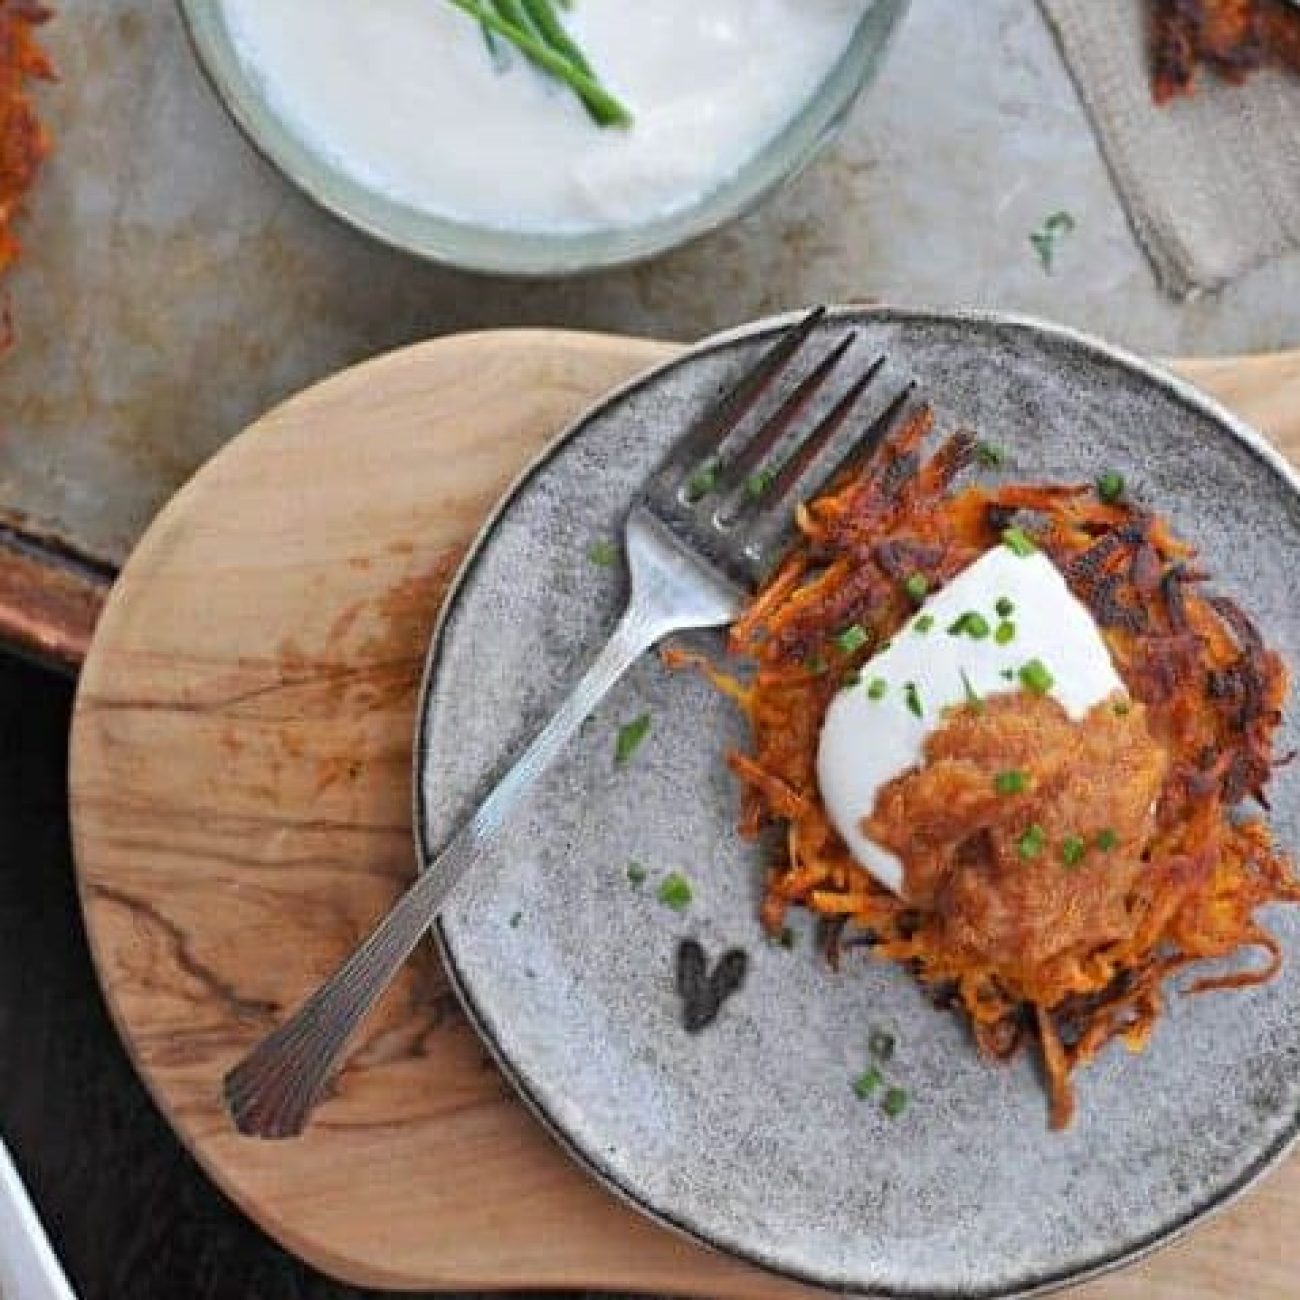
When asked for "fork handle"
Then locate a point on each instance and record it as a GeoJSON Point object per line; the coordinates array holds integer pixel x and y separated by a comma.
{"type": "Point", "coordinates": [273, 1091]}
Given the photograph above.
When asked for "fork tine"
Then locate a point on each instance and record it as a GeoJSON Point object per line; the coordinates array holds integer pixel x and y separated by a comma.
{"type": "Point", "coordinates": [711, 431]}
{"type": "Point", "coordinates": [818, 439]}
{"type": "Point", "coordinates": [868, 444]}
{"type": "Point", "coordinates": [775, 427]}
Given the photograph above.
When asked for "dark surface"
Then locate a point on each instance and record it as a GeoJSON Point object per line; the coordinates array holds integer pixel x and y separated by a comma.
{"type": "Point", "coordinates": [130, 1214]}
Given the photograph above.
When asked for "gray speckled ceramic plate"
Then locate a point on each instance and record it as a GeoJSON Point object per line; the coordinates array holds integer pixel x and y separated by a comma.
{"type": "Point", "coordinates": [749, 1137]}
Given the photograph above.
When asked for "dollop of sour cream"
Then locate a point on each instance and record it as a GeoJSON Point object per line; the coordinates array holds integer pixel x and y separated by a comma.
{"type": "Point", "coordinates": [405, 97]}
{"type": "Point", "coordinates": [876, 730]}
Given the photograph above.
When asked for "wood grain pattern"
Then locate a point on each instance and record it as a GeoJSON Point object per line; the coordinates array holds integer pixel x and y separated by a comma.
{"type": "Point", "coordinates": [241, 795]}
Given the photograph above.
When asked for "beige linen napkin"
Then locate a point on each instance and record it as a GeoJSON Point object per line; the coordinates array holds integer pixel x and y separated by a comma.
{"type": "Point", "coordinates": [1212, 183]}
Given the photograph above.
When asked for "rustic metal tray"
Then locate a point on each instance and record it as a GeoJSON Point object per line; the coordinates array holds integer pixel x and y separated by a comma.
{"type": "Point", "coordinates": [174, 286]}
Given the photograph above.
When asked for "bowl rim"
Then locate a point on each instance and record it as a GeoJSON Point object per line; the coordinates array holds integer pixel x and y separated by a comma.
{"type": "Point", "coordinates": [467, 246]}
{"type": "Point", "coordinates": [1030, 1284]}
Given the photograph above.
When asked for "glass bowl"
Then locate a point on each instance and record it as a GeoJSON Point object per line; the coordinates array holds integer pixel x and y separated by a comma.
{"type": "Point", "coordinates": [493, 250]}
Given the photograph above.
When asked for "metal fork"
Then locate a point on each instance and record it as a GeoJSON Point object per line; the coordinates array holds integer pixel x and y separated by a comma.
{"type": "Point", "coordinates": [698, 538]}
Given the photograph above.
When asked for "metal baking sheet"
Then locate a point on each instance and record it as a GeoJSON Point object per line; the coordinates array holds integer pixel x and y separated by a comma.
{"type": "Point", "coordinates": [175, 286]}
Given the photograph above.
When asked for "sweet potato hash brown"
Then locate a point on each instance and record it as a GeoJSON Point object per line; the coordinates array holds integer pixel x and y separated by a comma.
{"type": "Point", "coordinates": [1072, 949]}
{"type": "Point", "coordinates": [24, 142]}
{"type": "Point", "coordinates": [1231, 38]}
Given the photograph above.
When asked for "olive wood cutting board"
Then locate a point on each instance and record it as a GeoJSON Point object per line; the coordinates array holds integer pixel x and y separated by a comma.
{"type": "Point", "coordinates": [241, 813]}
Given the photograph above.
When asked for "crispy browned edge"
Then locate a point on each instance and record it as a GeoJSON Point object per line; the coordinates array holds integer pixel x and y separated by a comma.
{"type": "Point", "coordinates": [51, 596]}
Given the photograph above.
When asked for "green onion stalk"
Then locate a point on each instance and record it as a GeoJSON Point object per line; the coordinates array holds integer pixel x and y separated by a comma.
{"type": "Point", "coordinates": [534, 29]}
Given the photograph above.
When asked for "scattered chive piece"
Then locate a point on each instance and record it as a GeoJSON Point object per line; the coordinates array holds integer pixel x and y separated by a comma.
{"type": "Point", "coordinates": [923, 624]}
{"type": "Point", "coordinates": [816, 665]}
{"type": "Point", "coordinates": [514, 920]}
{"type": "Point", "coordinates": [868, 1082]}
{"type": "Point", "coordinates": [973, 697]}
{"type": "Point", "coordinates": [1019, 541]}
{"type": "Point", "coordinates": [603, 554]}
{"type": "Point", "coordinates": [1005, 607]}
{"type": "Point", "coordinates": [1005, 634]}
{"type": "Point", "coordinates": [636, 873]}
{"type": "Point", "coordinates": [1045, 239]}
{"type": "Point", "coordinates": [990, 455]}
{"type": "Point", "coordinates": [1111, 487]}
{"type": "Point", "coordinates": [758, 483]}
{"type": "Point", "coordinates": [788, 938]}
{"type": "Point", "coordinates": [895, 1102]}
{"type": "Point", "coordinates": [878, 689]}
{"type": "Point", "coordinates": [1072, 850]}
{"type": "Point", "coordinates": [1123, 708]}
{"type": "Point", "coordinates": [1035, 677]}
{"type": "Point", "coordinates": [675, 892]}
{"type": "Point", "coordinates": [1009, 674]}
{"type": "Point", "coordinates": [853, 679]}
{"type": "Point", "coordinates": [881, 1044]}
{"type": "Point", "coordinates": [972, 624]}
{"type": "Point", "coordinates": [703, 481]}
{"type": "Point", "coordinates": [913, 698]}
{"type": "Point", "coordinates": [853, 638]}
{"type": "Point", "coordinates": [630, 738]}
{"type": "Point", "coordinates": [917, 586]}
{"type": "Point", "coordinates": [1107, 840]}
{"type": "Point", "coordinates": [1032, 842]}
{"type": "Point", "coordinates": [1012, 781]}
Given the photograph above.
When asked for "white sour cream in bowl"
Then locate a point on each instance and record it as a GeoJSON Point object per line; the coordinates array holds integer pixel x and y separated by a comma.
{"type": "Point", "coordinates": [410, 107]}
{"type": "Point", "coordinates": [876, 729]}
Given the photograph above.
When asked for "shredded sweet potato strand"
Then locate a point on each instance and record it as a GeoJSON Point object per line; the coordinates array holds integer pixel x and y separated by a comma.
{"type": "Point", "coordinates": [24, 142]}
{"type": "Point", "coordinates": [1212, 690]}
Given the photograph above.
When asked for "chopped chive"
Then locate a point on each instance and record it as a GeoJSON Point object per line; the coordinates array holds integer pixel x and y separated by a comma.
{"type": "Point", "coordinates": [788, 938]}
{"type": "Point", "coordinates": [1035, 677]}
{"type": "Point", "coordinates": [1005, 607]}
{"type": "Point", "coordinates": [852, 679]}
{"type": "Point", "coordinates": [917, 586]}
{"type": "Point", "coordinates": [990, 455]}
{"type": "Point", "coordinates": [878, 689]}
{"type": "Point", "coordinates": [636, 873]}
{"type": "Point", "coordinates": [881, 1044]}
{"type": "Point", "coordinates": [1107, 840]}
{"type": "Point", "coordinates": [603, 554]}
{"type": "Point", "coordinates": [1045, 239]}
{"type": "Point", "coordinates": [1019, 541]}
{"type": "Point", "coordinates": [630, 738]}
{"type": "Point", "coordinates": [757, 484]}
{"type": "Point", "coordinates": [703, 481]}
{"type": "Point", "coordinates": [1123, 708]}
{"type": "Point", "coordinates": [1005, 634]}
{"type": "Point", "coordinates": [913, 698]}
{"type": "Point", "coordinates": [894, 1103]}
{"type": "Point", "coordinates": [1032, 842]}
{"type": "Point", "coordinates": [923, 624]}
{"type": "Point", "coordinates": [675, 892]}
{"type": "Point", "coordinates": [853, 638]}
{"type": "Point", "coordinates": [972, 624]}
{"type": "Point", "coordinates": [1009, 674]}
{"type": "Point", "coordinates": [816, 665]}
{"type": "Point", "coordinates": [1072, 850]}
{"type": "Point", "coordinates": [973, 697]}
{"type": "Point", "coordinates": [515, 919]}
{"type": "Point", "coordinates": [1012, 781]}
{"type": "Point", "coordinates": [1111, 487]}
{"type": "Point", "coordinates": [868, 1082]}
